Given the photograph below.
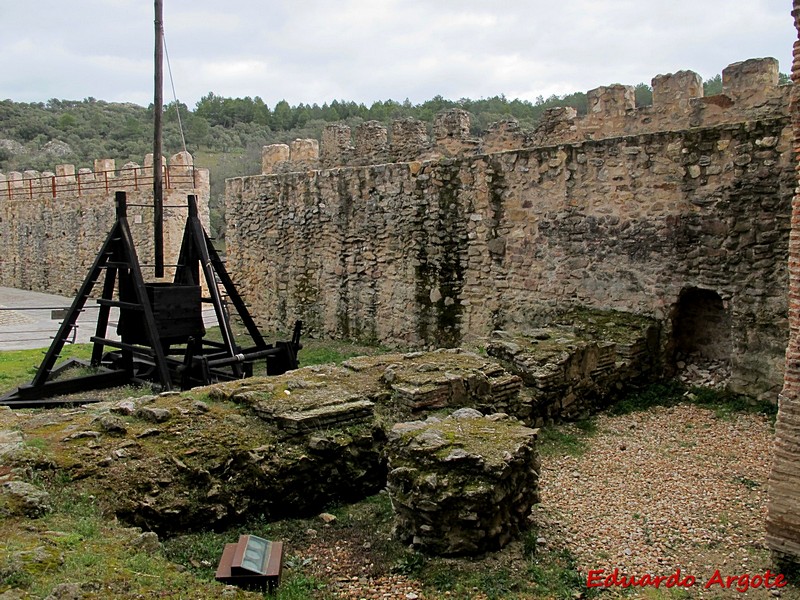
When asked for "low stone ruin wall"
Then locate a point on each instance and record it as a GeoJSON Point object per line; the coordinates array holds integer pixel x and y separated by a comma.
{"type": "Point", "coordinates": [462, 480]}
{"type": "Point", "coordinates": [278, 446]}
{"type": "Point", "coordinates": [581, 362]}
{"type": "Point", "coordinates": [173, 464]}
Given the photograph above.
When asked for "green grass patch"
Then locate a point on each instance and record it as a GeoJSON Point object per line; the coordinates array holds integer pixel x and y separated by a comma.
{"type": "Point", "coordinates": [463, 580]}
{"type": "Point", "coordinates": [746, 482]}
{"type": "Point", "coordinates": [669, 393]}
{"type": "Point", "coordinates": [314, 351]}
{"type": "Point", "coordinates": [566, 439]}
{"type": "Point", "coordinates": [587, 426]}
{"type": "Point", "coordinates": [36, 442]}
{"type": "Point", "coordinates": [409, 563]}
{"type": "Point", "coordinates": [296, 586]}
{"type": "Point", "coordinates": [77, 543]}
{"type": "Point", "coordinates": [324, 354]}
{"type": "Point", "coordinates": [555, 574]}
{"type": "Point", "coordinates": [530, 542]}
{"type": "Point", "coordinates": [725, 404]}
{"type": "Point", "coordinates": [546, 574]}
{"type": "Point", "coordinates": [317, 352]}
{"type": "Point", "coordinates": [672, 393]}
{"type": "Point", "coordinates": [199, 552]}
{"type": "Point", "coordinates": [19, 366]}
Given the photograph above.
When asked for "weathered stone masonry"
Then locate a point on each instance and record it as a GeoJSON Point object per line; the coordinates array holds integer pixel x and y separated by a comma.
{"type": "Point", "coordinates": [53, 224]}
{"type": "Point", "coordinates": [624, 208]}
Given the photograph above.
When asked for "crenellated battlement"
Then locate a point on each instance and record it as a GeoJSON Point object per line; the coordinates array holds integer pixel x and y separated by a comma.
{"type": "Point", "coordinates": [750, 91]}
{"type": "Point", "coordinates": [53, 223]}
{"type": "Point", "coordinates": [179, 173]}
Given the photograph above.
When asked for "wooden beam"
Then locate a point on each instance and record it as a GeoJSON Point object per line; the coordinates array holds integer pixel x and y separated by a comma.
{"type": "Point", "coordinates": [158, 102]}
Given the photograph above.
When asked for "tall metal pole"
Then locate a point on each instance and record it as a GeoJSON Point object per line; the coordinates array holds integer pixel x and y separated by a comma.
{"type": "Point", "coordinates": [158, 192]}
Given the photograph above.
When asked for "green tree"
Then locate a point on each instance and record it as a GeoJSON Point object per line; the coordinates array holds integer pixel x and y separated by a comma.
{"type": "Point", "coordinates": [643, 94]}
{"type": "Point", "coordinates": [377, 111]}
{"type": "Point", "coordinates": [262, 113]}
{"type": "Point", "coordinates": [197, 130]}
{"type": "Point", "coordinates": [211, 108]}
{"type": "Point", "coordinates": [66, 121]}
{"type": "Point", "coordinates": [713, 86]}
{"type": "Point", "coordinates": [282, 116]}
{"type": "Point", "coordinates": [302, 115]}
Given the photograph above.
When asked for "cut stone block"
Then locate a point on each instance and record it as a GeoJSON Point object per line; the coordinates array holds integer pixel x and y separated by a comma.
{"type": "Point", "coordinates": [464, 484]}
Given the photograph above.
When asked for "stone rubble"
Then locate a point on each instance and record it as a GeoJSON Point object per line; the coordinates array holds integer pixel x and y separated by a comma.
{"type": "Point", "coordinates": [18, 498]}
{"type": "Point", "coordinates": [694, 370]}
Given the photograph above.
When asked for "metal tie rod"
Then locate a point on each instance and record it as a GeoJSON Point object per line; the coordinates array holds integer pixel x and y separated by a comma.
{"type": "Point", "coordinates": [43, 308]}
{"type": "Point", "coordinates": [166, 207]}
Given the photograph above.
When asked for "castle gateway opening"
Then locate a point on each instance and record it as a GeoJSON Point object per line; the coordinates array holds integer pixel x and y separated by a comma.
{"type": "Point", "coordinates": [701, 326]}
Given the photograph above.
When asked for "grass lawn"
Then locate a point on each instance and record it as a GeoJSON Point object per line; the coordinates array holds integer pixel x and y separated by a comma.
{"type": "Point", "coordinates": [19, 366]}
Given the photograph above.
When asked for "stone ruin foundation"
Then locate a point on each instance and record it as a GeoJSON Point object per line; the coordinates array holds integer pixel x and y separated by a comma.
{"type": "Point", "coordinates": [464, 484]}
{"type": "Point", "coordinates": [447, 432]}
{"type": "Point", "coordinates": [580, 363]}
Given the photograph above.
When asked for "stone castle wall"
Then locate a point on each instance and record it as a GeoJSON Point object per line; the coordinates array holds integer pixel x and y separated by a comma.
{"type": "Point", "coordinates": [53, 224]}
{"type": "Point", "coordinates": [621, 209]}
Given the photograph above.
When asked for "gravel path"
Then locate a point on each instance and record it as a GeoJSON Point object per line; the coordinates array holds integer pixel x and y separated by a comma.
{"type": "Point", "coordinates": [670, 488]}
{"type": "Point", "coordinates": [654, 492]}
{"type": "Point", "coordinates": [350, 575]}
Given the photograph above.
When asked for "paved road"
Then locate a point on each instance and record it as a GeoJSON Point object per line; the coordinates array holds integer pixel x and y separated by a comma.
{"type": "Point", "coordinates": [26, 319]}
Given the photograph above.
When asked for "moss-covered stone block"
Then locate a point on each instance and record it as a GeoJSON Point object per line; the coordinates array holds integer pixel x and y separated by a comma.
{"type": "Point", "coordinates": [464, 484]}
{"type": "Point", "coordinates": [577, 364]}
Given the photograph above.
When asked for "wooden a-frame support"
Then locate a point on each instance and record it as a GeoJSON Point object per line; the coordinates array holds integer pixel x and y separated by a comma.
{"type": "Point", "coordinates": [148, 357]}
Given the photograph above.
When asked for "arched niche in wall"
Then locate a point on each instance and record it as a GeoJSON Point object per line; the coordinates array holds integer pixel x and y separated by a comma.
{"type": "Point", "coordinates": [701, 326]}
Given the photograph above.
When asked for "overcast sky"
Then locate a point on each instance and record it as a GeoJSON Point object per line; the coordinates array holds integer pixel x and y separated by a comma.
{"type": "Point", "coordinates": [314, 51]}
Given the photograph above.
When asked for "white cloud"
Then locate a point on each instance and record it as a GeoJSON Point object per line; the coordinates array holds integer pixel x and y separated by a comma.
{"type": "Point", "coordinates": [365, 50]}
